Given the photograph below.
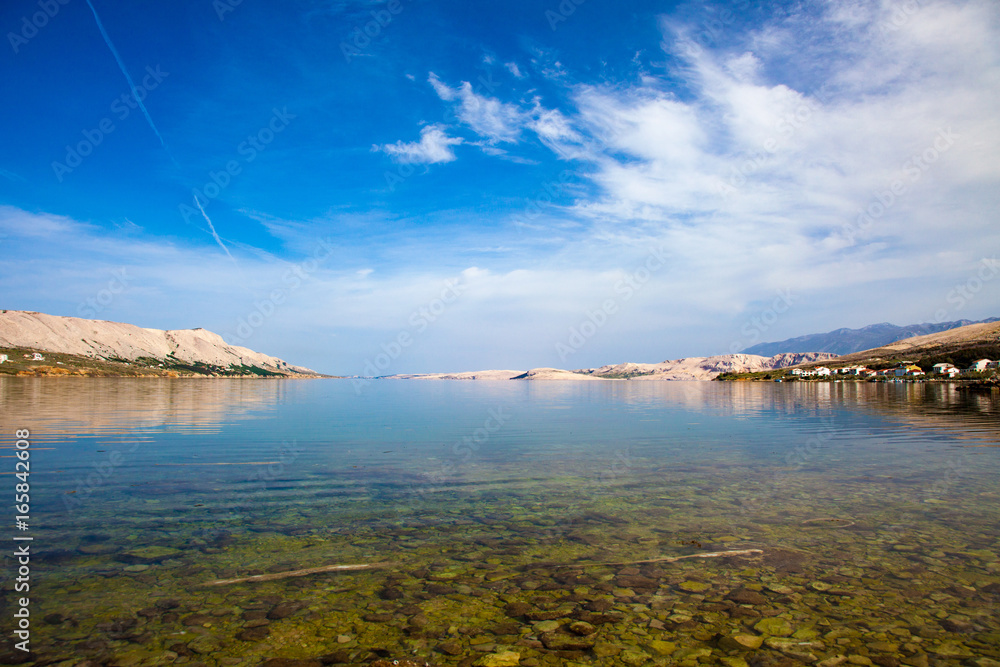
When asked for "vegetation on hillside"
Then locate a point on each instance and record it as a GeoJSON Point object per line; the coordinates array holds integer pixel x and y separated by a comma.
{"type": "Point", "coordinates": [20, 363]}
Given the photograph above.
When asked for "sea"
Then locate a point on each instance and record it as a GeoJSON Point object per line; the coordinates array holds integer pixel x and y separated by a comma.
{"type": "Point", "coordinates": [433, 522]}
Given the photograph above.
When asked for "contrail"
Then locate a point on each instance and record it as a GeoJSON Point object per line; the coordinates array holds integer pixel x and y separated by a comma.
{"type": "Point", "coordinates": [135, 93]}
{"type": "Point", "coordinates": [215, 234]}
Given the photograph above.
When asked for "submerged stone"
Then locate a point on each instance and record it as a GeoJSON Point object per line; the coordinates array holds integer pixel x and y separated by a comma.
{"type": "Point", "coordinates": [663, 647]}
{"type": "Point", "coordinates": [634, 657]}
{"type": "Point", "coordinates": [151, 554]}
{"type": "Point", "coordinates": [694, 586]}
{"type": "Point", "coordinates": [500, 659]}
{"type": "Point", "coordinates": [777, 627]}
{"type": "Point", "coordinates": [741, 642]}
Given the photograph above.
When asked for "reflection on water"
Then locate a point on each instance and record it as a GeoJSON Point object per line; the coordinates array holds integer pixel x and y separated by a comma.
{"type": "Point", "coordinates": [546, 520]}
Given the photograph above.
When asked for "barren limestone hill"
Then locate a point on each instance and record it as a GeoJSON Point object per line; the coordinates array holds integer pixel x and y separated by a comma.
{"type": "Point", "coordinates": [691, 368]}
{"type": "Point", "coordinates": [187, 351]}
{"type": "Point", "coordinates": [705, 368]}
{"type": "Point", "coordinates": [960, 346]}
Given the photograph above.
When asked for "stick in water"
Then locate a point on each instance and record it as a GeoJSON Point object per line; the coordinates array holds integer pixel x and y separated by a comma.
{"type": "Point", "coordinates": [297, 573]}
{"type": "Point", "coordinates": [674, 559]}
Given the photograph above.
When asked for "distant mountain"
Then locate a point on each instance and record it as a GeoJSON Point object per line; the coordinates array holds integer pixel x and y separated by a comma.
{"type": "Point", "coordinates": [847, 341]}
{"type": "Point", "coordinates": [75, 346]}
{"type": "Point", "coordinates": [960, 346]}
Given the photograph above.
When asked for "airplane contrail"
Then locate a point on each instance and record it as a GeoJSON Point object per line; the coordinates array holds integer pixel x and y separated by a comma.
{"type": "Point", "coordinates": [215, 234]}
{"type": "Point", "coordinates": [135, 93]}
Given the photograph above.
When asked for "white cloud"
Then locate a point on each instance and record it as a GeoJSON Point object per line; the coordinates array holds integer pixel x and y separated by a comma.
{"type": "Point", "coordinates": [488, 117]}
{"type": "Point", "coordinates": [434, 146]}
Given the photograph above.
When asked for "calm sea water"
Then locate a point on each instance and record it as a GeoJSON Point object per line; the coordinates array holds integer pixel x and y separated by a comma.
{"type": "Point", "coordinates": [566, 523]}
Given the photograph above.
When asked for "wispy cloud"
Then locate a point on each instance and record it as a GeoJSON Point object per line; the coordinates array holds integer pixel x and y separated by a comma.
{"type": "Point", "coordinates": [434, 146]}
{"type": "Point", "coordinates": [488, 117]}
{"type": "Point", "coordinates": [211, 227]}
{"type": "Point", "coordinates": [128, 77]}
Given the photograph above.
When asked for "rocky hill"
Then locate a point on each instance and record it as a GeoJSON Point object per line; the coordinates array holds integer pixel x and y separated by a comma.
{"type": "Point", "coordinates": [958, 346]}
{"type": "Point", "coordinates": [846, 341]}
{"type": "Point", "coordinates": [705, 368]}
{"type": "Point", "coordinates": [97, 347]}
{"type": "Point", "coordinates": [690, 368]}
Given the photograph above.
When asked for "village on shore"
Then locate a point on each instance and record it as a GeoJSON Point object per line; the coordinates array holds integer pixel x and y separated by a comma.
{"type": "Point", "coordinates": [903, 371]}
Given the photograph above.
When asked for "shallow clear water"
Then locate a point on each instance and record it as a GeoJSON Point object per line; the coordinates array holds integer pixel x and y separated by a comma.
{"type": "Point", "coordinates": [508, 517]}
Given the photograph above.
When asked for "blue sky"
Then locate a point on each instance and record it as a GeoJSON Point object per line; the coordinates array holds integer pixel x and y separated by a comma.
{"type": "Point", "coordinates": [500, 185]}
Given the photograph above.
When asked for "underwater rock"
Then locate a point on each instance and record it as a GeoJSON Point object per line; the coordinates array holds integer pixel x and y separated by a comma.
{"type": "Point", "coordinates": [663, 647]}
{"type": "Point", "coordinates": [196, 619]}
{"type": "Point", "coordinates": [450, 647]}
{"type": "Point", "coordinates": [746, 596]}
{"type": "Point", "coordinates": [390, 593]}
{"type": "Point", "coordinates": [500, 659]}
{"type": "Point", "coordinates": [517, 609]}
{"type": "Point", "coordinates": [555, 641]}
{"type": "Point", "coordinates": [634, 657]}
{"type": "Point", "coordinates": [336, 657]}
{"type": "Point", "coordinates": [741, 642]}
{"type": "Point", "coordinates": [254, 634]}
{"type": "Point", "coordinates": [284, 610]}
{"type": "Point", "coordinates": [599, 605]}
{"type": "Point", "coordinates": [693, 586]}
{"type": "Point", "coordinates": [582, 628]}
{"type": "Point", "coordinates": [777, 627]}
{"type": "Point", "coordinates": [97, 549]}
{"type": "Point", "coordinates": [150, 554]}
{"type": "Point", "coordinates": [205, 645]}
{"type": "Point", "coordinates": [636, 581]}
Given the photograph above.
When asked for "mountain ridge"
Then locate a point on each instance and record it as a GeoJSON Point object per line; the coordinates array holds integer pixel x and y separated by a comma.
{"type": "Point", "coordinates": [848, 341]}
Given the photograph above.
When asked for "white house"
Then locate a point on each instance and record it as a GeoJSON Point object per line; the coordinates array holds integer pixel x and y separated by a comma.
{"type": "Point", "coordinates": [3, 358]}
{"type": "Point", "coordinates": [978, 366]}
{"type": "Point", "coordinates": [944, 368]}
{"type": "Point", "coordinates": [823, 370]}
{"type": "Point", "coordinates": [795, 371]}
{"type": "Point", "coordinates": [37, 356]}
